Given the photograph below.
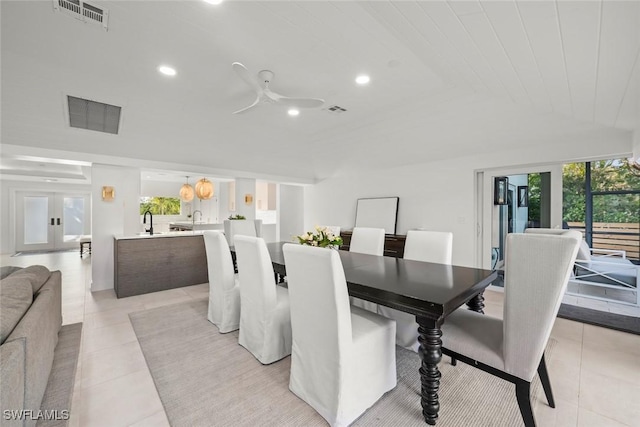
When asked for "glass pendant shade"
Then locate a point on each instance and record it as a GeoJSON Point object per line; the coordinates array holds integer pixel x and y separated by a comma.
{"type": "Point", "coordinates": [186, 193]}
{"type": "Point", "coordinates": [204, 189]}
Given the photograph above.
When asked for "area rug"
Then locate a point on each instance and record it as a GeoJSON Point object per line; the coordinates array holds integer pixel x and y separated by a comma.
{"type": "Point", "coordinates": [604, 319]}
{"type": "Point", "coordinates": [59, 392]}
{"type": "Point", "coordinates": [205, 378]}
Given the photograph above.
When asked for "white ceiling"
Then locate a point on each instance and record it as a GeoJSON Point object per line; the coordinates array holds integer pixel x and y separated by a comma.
{"type": "Point", "coordinates": [447, 78]}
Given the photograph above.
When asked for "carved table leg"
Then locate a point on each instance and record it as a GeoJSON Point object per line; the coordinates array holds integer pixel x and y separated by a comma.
{"type": "Point", "coordinates": [431, 354]}
{"type": "Point", "coordinates": [477, 303]}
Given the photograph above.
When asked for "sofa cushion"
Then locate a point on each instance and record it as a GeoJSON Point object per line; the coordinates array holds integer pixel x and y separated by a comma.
{"type": "Point", "coordinates": [10, 269]}
{"type": "Point", "coordinates": [36, 274]}
{"type": "Point", "coordinates": [16, 295]}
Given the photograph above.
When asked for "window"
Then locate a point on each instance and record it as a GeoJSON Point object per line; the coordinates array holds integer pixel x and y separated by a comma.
{"type": "Point", "coordinates": [160, 205]}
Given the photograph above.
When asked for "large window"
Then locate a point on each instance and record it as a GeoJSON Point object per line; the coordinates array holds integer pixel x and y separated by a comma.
{"type": "Point", "coordinates": [602, 198]}
{"type": "Point", "coordinates": [160, 205]}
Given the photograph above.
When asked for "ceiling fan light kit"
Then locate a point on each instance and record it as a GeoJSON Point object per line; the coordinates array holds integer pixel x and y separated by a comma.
{"type": "Point", "coordinates": [264, 95]}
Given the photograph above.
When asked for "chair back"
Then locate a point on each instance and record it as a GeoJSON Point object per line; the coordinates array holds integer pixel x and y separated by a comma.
{"type": "Point", "coordinates": [537, 269]}
{"type": "Point", "coordinates": [220, 269]}
{"type": "Point", "coordinates": [429, 246]}
{"type": "Point", "coordinates": [584, 253]}
{"type": "Point", "coordinates": [367, 240]}
{"type": "Point", "coordinates": [320, 313]}
{"type": "Point", "coordinates": [242, 227]}
{"type": "Point", "coordinates": [257, 285]}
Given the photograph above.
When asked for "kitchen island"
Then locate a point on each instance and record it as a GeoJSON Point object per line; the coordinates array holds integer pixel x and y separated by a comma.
{"type": "Point", "coordinates": [150, 263]}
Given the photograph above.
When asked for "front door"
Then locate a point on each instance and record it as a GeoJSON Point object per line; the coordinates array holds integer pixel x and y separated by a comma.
{"type": "Point", "coordinates": [49, 221]}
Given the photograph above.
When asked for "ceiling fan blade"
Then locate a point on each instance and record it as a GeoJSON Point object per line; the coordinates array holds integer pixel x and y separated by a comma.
{"type": "Point", "coordinates": [300, 102]}
{"type": "Point", "coordinates": [245, 75]}
{"type": "Point", "coordinates": [242, 110]}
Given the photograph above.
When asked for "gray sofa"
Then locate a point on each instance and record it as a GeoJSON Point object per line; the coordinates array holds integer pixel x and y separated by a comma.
{"type": "Point", "coordinates": [30, 319]}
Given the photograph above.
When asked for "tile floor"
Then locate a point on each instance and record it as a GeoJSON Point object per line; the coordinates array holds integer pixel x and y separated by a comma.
{"type": "Point", "coordinates": [595, 372]}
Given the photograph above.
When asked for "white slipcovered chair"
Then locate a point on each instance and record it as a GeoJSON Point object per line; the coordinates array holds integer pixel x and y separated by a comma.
{"type": "Point", "coordinates": [224, 288]}
{"type": "Point", "coordinates": [537, 269]}
{"type": "Point", "coordinates": [242, 227]}
{"type": "Point", "coordinates": [428, 246]}
{"type": "Point", "coordinates": [365, 240]}
{"type": "Point", "coordinates": [343, 358]}
{"type": "Point", "coordinates": [370, 241]}
{"type": "Point", "coordinates": [265, 322]}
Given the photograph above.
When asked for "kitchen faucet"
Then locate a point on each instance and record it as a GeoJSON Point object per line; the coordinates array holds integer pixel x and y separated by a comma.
{"type": "Point", "coordinates": [193, 217]}
{"type": "Point", "coordinates": [144, 221]}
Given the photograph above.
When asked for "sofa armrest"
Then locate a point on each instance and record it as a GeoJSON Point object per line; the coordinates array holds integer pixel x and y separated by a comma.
{"type": "Point", "coordinates": [12, 380]}
{"type": "Point", "coordinates": [39, 329]}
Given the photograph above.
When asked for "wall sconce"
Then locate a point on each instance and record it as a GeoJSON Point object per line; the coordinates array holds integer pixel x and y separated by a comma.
{"type": "Point", "coordinates": [248, 199]}
{"type": "Point", "coordinates": [186, 192]}
{"type": "Point", "coordinates": [523, 196]}
{"type": "Point", "coordinates": [500, 188]}
{"type": "Point", "coordinates": [108, 193]}
{"type": "Point", "coordinates": [204, 189]}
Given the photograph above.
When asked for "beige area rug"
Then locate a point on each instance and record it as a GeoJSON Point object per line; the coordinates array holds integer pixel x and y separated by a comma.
{"type": "Point", "coordinates": [205, 378]}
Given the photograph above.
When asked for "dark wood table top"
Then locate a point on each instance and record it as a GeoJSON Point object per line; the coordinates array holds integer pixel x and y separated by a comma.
{"type": "Point", "coordinates": [420, 288]}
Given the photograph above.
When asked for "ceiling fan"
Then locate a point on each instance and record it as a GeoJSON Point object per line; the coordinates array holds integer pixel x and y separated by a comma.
{"type": "Point", "coordinates": [260, 84]}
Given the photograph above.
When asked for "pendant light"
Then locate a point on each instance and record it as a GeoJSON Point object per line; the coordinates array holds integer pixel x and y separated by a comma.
{"type": "Point", "coordinates": [186, 192]}
{"type": "Point", "coordinates": [204, 189]}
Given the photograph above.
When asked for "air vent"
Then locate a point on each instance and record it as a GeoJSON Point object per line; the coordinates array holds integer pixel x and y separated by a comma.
{"type": "Point", "coordinates": [83, 11]}
{"type": "Point", "coordinates": [91, 115]}
{"type": "Point", "coordinates": [334, 109]}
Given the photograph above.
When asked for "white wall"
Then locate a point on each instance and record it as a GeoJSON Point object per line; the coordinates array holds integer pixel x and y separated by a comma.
{"type": "Point", "coordinates": [290, 203]}
{"type": "Point", "coordinates": [8, 189]}
{"type": "Point", "coordinates": [440, 195]}
{"type": "Point", "coordinates": [118, 217]}
{"type": "Point", "coordinates": [246, 186]}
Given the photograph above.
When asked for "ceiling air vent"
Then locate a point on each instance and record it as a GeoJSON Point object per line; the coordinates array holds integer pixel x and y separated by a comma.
{"type": "Point", "coordinates": [334, 109]}
{"type": "Point", "coordinates": [85, 114]}
{"type": "Point", "coordinates": [83, 11]}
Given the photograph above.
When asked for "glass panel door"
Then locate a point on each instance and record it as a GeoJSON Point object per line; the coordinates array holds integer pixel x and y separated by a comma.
{"type": "Point", "coordinates": [35, 221]}
{"type": "Point", "coordinates": [50, 221]}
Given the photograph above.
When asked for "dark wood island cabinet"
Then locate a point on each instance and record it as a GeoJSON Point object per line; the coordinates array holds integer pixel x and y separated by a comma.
{"type": "Point", "coordinates": [145, 264]}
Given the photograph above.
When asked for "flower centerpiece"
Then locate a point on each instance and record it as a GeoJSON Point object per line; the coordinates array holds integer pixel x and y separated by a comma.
{"type": "Point", "coordinates": [234, 217]}
{"type": "Point", "coordinates": [322, 237]}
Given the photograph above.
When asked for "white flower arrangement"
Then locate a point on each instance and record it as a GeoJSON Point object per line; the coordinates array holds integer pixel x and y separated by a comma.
{"type": "Point", "coordinates": [322, 237]}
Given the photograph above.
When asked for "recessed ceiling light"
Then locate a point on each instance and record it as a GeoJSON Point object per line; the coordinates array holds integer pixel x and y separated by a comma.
{"type": "Point", "coordinates": [216, 2]}
{"type": "Point", "coordinates": [362, 79]}
{"type": "Point", "coordinates": [293, 112]}
{"type": "Point", "coordinates": [167, 71]}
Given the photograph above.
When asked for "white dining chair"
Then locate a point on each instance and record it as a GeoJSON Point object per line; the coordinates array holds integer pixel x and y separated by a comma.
{"type": "Point", "coordinates": [265, 322]}
{"type": "Point", "coordinates": [343, 358]}
{"type": "Point", "coordinates": [370, 241]}
{"type": "Point", "coordinates": [365, 240]}
{"type": "Point", "coordinates": [242, 227]}
{"type": "Point", "coordinates": [537, 269]}
{"type": "Point", "coordinates": [224, 288]}
{"type": "Point", "coordinates": [420, 245]}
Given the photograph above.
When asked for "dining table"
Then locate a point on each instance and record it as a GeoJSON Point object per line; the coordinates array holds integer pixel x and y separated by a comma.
{"type": "Point", "coordinates": [427, 290]}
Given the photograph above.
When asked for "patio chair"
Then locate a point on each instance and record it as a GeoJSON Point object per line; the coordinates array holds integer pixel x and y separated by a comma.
{"type": "Point", "coordinates": [605, 269]}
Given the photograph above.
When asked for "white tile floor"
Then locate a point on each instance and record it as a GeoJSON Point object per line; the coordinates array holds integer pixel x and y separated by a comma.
{"type": "Point", "coordinates": [595, 372]}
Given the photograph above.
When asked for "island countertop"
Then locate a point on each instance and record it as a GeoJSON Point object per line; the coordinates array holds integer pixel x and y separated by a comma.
{"type": "Point", "coordinates": [159, 234]}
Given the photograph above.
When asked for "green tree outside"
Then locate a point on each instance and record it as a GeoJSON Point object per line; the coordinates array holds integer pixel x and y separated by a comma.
{"type": "Point", "coordinates": [606, 175]}
{"type": "Point", "coordinates": [160, 205]}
